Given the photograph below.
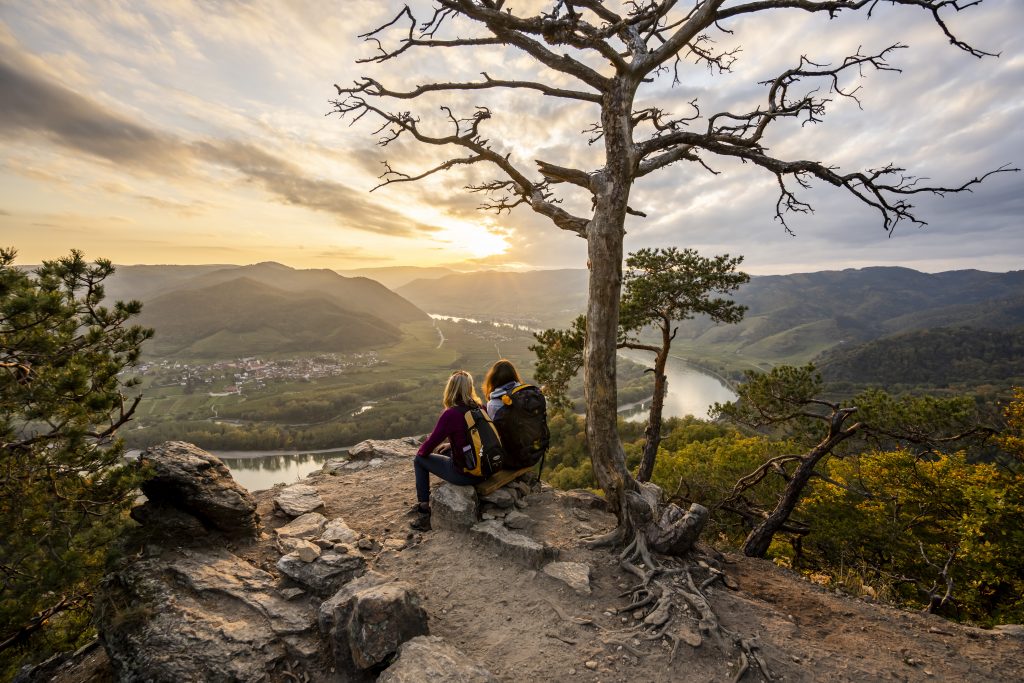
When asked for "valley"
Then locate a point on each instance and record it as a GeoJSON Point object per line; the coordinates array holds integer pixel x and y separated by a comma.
{"type": "Point", "coordinates": [268, 357]}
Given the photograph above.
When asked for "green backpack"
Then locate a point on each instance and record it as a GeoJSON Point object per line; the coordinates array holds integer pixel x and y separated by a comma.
{"type": "Point", "coordinates": [483, 454]}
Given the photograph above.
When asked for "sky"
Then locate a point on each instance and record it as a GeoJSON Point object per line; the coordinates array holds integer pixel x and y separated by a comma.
{"type": "Point", "coordinates": [199, 132]}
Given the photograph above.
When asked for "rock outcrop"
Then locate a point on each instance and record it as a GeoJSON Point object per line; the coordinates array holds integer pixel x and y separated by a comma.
{"type": "Point", "coordinates": [187, 608]}
{"type": "Point", "coordinates": [429, 658]}
{"type": "Point", "coordinates": [186, 479]}
{"type": "Point", "coordinates": [494, 520]}
{"type": "Point", "coordinates": [388, 448]}
{"type": "Point", "coordinates": [367, 620]}
{"type": "Point", "coordinates": [199, 615]}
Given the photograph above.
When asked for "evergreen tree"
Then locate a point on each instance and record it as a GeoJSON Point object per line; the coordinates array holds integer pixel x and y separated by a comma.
{"type": "Point", "coordinates": [64, 486]}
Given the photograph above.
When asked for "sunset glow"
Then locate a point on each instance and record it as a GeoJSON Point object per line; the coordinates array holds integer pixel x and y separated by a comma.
{"type": "Point", "coordinates": [158, 132]}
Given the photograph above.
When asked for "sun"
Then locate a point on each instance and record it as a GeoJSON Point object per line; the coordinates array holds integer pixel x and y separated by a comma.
{"type": "Point", "coordinates": [476, 239]}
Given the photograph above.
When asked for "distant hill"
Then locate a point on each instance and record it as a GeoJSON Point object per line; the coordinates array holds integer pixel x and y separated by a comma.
{"type": "Point", "coordinates": [227, 311]}
{"type": "Point", "coordinates": [545, 297]}
{"type": "Point", "coordinates": [394, 277]}
{"type": "Point", "coordinates": [243, 317]}
{"type": "Point", "coordinates": [935, 357]}
{"type": "Point", "coordinates": [146, 282]}
{"type": "Point", "coordinates": [351, 293]}
{"type": "Point", "coordinates": [793, 318]}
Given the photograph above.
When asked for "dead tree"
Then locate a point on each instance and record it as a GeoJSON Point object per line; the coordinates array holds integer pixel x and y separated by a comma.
{"type": "Point", "coordinates": [603, 55]}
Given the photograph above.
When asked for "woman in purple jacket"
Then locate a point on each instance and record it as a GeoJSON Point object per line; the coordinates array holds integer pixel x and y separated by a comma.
{"type": "Point", "coordinates": [459, 397]}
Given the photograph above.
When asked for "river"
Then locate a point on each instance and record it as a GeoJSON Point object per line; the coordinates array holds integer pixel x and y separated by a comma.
{"type": "Point", "coordinates": [256, 470]}
{"type": "Point", "coordinates": [690, 390]}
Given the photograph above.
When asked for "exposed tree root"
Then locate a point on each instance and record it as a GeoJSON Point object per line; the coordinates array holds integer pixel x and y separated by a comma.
{"type": "Point", "coordinates": [608, 540]}
{"type": "Point", "coordinates": [670, 602]}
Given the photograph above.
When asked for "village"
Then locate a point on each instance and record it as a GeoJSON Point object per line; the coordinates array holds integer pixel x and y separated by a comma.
{"type": "Point", "coordinates": [230, 377]}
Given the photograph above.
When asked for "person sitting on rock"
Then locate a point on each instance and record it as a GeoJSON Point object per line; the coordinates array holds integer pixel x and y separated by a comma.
{"type": "Point", "coordinates": [459, 397]}
{"type": "Point", "coordinates": [501, 379]}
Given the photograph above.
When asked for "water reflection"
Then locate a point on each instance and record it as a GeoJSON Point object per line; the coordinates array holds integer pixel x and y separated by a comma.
{"type": "Point", "coordinates": [262, 472]}
{"type": "Point", "coordinates": [690, 391]}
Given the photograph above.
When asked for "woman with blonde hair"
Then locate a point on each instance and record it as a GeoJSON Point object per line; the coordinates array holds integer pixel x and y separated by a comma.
{"type": "Point", "coordinates": [459, 398]}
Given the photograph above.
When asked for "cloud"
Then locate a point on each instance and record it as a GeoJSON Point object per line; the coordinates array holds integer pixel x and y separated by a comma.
{"type": "Point", "coordinates": [31, 102]}
{"type": "Point", "coordinates": [287, 182]}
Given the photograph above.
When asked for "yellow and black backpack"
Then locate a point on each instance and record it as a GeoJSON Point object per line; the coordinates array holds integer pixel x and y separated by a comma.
{"type": "Point", "coordinates": [483, 454]}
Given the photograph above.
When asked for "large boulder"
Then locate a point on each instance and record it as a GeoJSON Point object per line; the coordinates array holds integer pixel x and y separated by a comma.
{"type": "Point", "coordinates": [337, 608]}
{"type": "Point", "coordinates": [453, 507]}
{"type": "Point", "coordinates": [187, 478]}
{"type": "Point", "coordinates": [383, 617]}
{"type": "Point", "coordinates": [327, 573]}
{"type": "Point", "coordinates": [368, 619]}
{"type": "Point", "coordinates": [200, 615]}
{"type": "Point", "coordinates": [428, 658]}
{"type": "Point", "coordinates": [298, 499]}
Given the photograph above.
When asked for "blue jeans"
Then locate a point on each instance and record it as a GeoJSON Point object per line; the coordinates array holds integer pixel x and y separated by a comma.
{"type": "Point", "coordinates": [441, 466]}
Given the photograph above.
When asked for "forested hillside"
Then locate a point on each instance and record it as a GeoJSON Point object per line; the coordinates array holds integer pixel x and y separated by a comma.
{"type": "Point", "coordinates": [790, 318]}
{"type": "Point", "coordinates": [793, 318]}
{"type": "Point", "coordinates": [216, 311]}
{"type": "Point", "coordinates": [350, 293]}
{"type": "Point", "coordinates": [937, 357]}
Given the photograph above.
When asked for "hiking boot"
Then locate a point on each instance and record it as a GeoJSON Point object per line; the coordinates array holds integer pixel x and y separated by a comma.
{"type": "Point", "coordinates": [419, 509]}
{"type": "Point", "coordinates": [421, 523]}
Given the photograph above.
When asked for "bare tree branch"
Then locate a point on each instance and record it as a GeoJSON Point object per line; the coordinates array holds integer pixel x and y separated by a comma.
{"type": "Point", "coordinates": [833, 7]}
{"type": "Point", "coordinates": [373, 88]}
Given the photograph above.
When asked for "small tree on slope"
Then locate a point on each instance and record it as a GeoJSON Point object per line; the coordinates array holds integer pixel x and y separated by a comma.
{"type": "Point", "coordinates": [660, 287]}
{"type": "Point", "coordinates": [589, 55]}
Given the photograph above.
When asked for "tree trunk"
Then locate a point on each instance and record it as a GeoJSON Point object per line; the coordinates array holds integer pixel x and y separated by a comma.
{"type": "Point", "coordinates": [604, 243]}
{"type": "Point", "coordinates": [605, 234]}
{"type": "Point", "coordinates": [758, 540]}
{"type": "Point", "coordinates": [652, 433]}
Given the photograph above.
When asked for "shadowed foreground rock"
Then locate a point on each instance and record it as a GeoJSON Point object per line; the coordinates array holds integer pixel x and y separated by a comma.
{"type": "Point", "coordinates": [188, 479]}
{"type": "Point", "coordinates": [368, 619]}
{"type": "Point", "coordinates": [429, 658]}
{"type": "Point", "coordinates": [199, 615]}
